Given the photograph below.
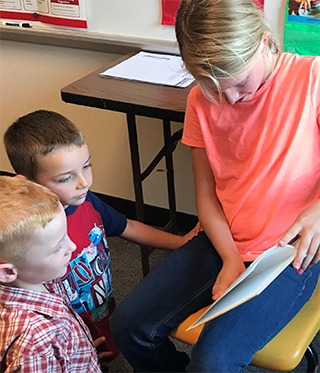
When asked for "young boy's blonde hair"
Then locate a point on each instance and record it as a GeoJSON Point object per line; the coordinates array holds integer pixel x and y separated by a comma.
{"type": "Point", "coordinates": [24, 206]}
{"type": "Point", "coordinates": [38, 133]}
{"type": "Point", "coordinates": [218, 39]}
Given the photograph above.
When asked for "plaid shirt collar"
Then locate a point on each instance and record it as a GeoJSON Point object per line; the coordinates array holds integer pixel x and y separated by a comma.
{"type": "Point", "coordinates": [50, 304]}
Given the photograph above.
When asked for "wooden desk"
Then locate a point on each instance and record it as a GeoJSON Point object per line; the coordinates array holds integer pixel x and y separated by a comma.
{"type": "Point", "coordinates": [137, 98]}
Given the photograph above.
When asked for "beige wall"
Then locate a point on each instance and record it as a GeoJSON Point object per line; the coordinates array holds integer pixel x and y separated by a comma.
{"type": "Point", "coordinates": [31, 77]}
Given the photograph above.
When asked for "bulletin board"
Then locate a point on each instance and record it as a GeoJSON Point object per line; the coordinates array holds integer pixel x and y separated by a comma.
{"type": "Point", "coordinates": [123, 18]}
{"type": "Point", "coordinates": [68, 13]}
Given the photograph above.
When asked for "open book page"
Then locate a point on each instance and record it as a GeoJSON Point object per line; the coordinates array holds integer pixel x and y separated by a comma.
{"type": "Point", "coordinates": [252, 282]}
{"type": "Point", "coordinates": [163, 69]}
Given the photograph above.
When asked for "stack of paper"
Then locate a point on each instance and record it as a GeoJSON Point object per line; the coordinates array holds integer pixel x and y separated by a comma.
{"type": "Point", "coordinates": [163, 69]}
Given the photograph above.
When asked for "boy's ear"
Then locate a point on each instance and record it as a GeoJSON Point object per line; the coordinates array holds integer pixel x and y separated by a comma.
{"type": "Point", "coordinates": [20, 176]}
{"type": "Point", "coordinates": [8, 273]}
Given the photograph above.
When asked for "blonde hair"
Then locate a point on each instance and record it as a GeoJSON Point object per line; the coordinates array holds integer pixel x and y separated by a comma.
{"type": "Point", "coordinates": [38, 133]}
{"type": "Point", "coordinates": [219, 38]}
{"type": "Point", "coordinates": [24, 206]}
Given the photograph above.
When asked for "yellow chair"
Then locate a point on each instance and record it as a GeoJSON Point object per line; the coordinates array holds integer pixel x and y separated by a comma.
{"type": "Point", "coordinates": [285, 351]}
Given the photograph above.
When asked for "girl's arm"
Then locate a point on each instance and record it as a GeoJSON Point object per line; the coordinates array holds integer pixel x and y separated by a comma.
{"type": "Point", "coordinates": [214, 223]}
{"type": "Point", "coordinates": [307, 226]}
{"type": "Point", "coordinates": [143, 234]}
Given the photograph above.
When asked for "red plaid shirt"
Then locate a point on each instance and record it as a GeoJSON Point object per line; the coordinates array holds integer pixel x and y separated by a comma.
{"type": "Point", "coordinates": [40, 333]}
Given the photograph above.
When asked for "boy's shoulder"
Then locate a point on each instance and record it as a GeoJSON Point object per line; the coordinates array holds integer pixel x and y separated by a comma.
{"type": "Point", "coordinates": [31, 324]}
{"type": "Point", "coordinates": [27, 317]}
{"type": "Point", "coordinates": [34, 342]}
{"type": "Point", "coordinates": [92, 210]}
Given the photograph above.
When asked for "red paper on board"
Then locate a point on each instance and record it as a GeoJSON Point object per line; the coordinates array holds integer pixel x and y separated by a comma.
{"type": "Point", "coordinates": [169, 11]}
{"type": "Point", "coordinates": [170, 8]}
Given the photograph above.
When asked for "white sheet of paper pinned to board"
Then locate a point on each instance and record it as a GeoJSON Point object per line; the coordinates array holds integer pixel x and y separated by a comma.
{"type": "Point", "coordinates": [163, 69]}
{"type": "Point", "coordinates": [252, 282]}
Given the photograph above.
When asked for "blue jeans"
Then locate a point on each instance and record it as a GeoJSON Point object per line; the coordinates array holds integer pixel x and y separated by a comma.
{"type": "Point", "coordinates": [180, 285]}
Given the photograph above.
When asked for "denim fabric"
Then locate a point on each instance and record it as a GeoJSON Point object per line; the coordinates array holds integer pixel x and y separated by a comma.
{"type": "Point", "coordinates": [180, 285]}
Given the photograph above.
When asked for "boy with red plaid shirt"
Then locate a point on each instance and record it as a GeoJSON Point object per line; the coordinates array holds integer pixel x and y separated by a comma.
{"type": "Point", "coordinates": [39, 330]}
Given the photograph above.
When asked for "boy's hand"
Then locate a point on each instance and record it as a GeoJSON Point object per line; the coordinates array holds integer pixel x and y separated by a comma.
{"type": "Point", "coordinates": [307, 226]}
{"type": "Point", "coordinates": [228, 274]}
{"type": "Point", "coordinates": [104, 356]}
{"type": "Point", "coordinates": [187, 237]}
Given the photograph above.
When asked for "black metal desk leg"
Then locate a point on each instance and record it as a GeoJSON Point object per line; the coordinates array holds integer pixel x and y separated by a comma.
{"type": "Point", "coordinates": [136, 170]}
{"type": "Point", "coordinates": [170, 179]}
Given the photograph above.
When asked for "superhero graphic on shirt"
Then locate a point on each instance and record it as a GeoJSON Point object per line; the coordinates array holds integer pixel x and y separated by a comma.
{"type": "Point", "coordinates": [88, 282]}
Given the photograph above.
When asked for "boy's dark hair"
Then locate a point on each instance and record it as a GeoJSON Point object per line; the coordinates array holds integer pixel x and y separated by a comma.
{"type": "Point", "coordinates": [38, 133]}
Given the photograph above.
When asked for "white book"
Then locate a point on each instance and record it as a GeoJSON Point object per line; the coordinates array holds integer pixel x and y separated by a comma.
{"type": "Point", "coordinates": [163, 69]}
{"type": "Point", "coordinates": [252, 281]}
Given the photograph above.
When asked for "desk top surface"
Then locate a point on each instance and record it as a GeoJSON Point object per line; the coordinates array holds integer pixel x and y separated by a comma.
{"type": "Point", "coordinates": [128, 96]}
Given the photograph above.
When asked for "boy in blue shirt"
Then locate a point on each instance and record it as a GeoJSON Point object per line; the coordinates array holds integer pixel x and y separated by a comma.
{"type": "Point", "coordinates": [49, 149]}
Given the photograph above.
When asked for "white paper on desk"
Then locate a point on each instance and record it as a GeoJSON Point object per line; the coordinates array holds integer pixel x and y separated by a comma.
{"type": "Point", "coordinates": [252, 282]}
{"type": "Point", "coordinates": [154, 68]}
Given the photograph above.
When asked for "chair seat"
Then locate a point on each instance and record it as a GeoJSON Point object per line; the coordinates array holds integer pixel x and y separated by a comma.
{"type": "Point", "coordinates": [285, 351]}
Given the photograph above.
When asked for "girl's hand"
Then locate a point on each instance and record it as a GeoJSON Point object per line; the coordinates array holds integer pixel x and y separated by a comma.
{"type": "Point", "coordinates": [307, 226]}
{"type": "Point", "coordinates": [228, 274]}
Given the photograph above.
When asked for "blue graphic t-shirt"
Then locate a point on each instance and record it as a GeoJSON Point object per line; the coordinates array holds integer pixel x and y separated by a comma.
{"type": "Point", "coordinates": [88, 280]}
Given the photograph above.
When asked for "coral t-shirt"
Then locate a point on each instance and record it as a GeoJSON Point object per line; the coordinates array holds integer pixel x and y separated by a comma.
{"type": "Point", "coordinates": [264, 153]}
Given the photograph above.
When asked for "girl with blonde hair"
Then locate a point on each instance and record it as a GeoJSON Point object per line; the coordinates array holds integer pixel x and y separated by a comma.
{"type": "Point", "coordinates": [253, 125]}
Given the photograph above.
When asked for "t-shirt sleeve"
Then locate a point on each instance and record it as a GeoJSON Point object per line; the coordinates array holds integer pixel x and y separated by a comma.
{"type": "Point", "coordinates": [192, 134]}
{"type": "Point", "coordinates": [114, 223]}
